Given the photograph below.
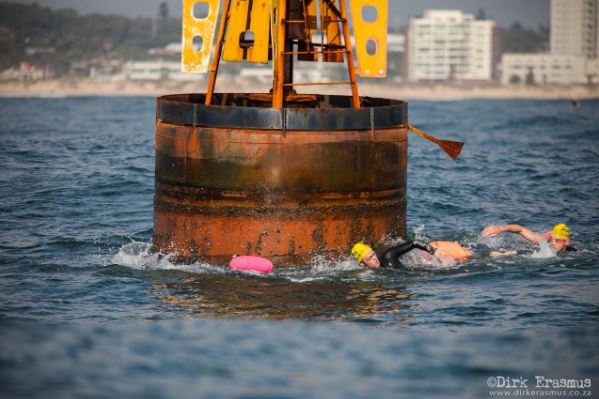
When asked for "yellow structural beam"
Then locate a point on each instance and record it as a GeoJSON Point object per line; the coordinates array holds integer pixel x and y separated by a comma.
{"type": "Point", "coordinates": [260, 27]}
{"type": "Point", "coordinates": [198, 35]}
{"type": "Point", "coordinates": [278, 12]}
{"type": "Point", "coordinates": [370, 31]}
{"type": "Point", "coordinates": [247, 38]}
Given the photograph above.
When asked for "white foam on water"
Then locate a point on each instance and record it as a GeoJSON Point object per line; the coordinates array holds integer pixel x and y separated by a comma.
{"type": "Point", "coordinates": [493, 242]}
{"type": "Point", "coordinates": [544, 251]}
{"type": "Point", "coordinates": [318, 269]}
{"type": "Point", "coordinates": [419, 234]}
{"type": "Point", "coordinates": [320, 265]}
{"type": "Point", "coordinates": [516, 243]}
{"type": "Point", "coordinates": [421, 260]}
{"type": "Point", "coordinates": [138, 255]}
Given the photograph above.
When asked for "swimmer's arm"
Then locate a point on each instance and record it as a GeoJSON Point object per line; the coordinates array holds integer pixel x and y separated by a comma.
{"type": "Point", "coordinates": [512, 228]}
{"type": "Point", "coordinates": [425, 247]}
{"type": "Point", "coordinates": [399, 250]}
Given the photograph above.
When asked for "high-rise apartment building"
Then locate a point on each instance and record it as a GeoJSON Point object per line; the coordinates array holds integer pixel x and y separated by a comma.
{"type": "Point", "coordinates": [574, 43]}
{"type": "Point", "coordinates": [575, 27]}
{"type": "Point", "coordinates": [450, 45]}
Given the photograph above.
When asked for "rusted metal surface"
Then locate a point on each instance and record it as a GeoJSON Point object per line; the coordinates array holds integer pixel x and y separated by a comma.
{"type": "Point", "coordinates": [286, 194]}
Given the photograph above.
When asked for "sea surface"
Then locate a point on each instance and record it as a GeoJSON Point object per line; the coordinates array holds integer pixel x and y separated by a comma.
{"type": "Point", "coordinates": [88, 311]}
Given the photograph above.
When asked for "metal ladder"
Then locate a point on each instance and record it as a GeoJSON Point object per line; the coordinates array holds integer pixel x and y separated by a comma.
{"type": "Point", "coordinates": [282, 82]}
{"type": "Point", "coordinates": [279, 83]}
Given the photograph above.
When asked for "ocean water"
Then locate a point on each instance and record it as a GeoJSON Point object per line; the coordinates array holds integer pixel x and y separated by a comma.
{"type": "Point", "coordinates": [86, 310]}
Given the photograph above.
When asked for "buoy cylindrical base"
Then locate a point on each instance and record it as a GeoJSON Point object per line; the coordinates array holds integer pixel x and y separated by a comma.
{"type": "Point", "coordinates": [242, 178]}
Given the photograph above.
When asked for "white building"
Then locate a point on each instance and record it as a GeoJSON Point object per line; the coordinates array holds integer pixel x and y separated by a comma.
{"type": "Point", "coordinates": [450, 45]}
{"type": "Point", "coordinates": [542, 68]}
{"type": "Point", "coordinates": [574, 49]}
{"type": "Point", "coordinates": [156, 70]}
{"type": "Point", "coordinates": [574, 27]}
{"type": "Point", "coordinates": [170, 49]}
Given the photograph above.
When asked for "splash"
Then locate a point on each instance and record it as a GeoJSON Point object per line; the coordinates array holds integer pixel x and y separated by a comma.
{"type": "Point", "coordinates": [320, 265]}
{"type": "Point", "coordinates": [513, 245]}
{"type": "Point", "coordinates": [419, 234]}
{"type": "Point", "coordinates": [138, 255]}
{"type": "Point", "coordinates": [421, 260]}
{"type": "Point", "coordinates": [544, 251]}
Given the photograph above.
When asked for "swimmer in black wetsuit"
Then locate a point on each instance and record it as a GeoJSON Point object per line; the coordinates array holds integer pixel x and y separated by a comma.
{"type": "Point", "coordinates": [389, 258]}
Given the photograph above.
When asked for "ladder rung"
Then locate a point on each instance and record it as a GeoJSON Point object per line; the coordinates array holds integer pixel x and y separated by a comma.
{"type": "Point", "coordinates": [315, 52]}
{"type": "Point", "coordinates": [316, 83]}
{"type": "Point", "coordinates": [330, 46]}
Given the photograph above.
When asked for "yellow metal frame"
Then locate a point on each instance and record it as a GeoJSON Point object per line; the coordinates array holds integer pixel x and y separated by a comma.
{"type": "Point", "coordinates": [278, 29]}
{"type": "Point", "coordinates": [350, 57]}
{"type": "Point", "coordinates": [260, 26]}
{"type": "Point", "coordinates": [374, 65]}
{"type": "Point", "coordinates": [216, 59]}
{"type": "Point", "coordinates": [236, 26]}
{"type": "Point", "coordinates": [192, 60]}
{"type": "Point", "coordinates": [234, 22]}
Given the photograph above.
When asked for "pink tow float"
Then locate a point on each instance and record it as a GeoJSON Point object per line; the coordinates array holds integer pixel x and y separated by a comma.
{"type": "Point", "coordinates": [251, 263]}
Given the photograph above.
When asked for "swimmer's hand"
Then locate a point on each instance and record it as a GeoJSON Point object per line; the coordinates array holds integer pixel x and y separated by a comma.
{"type": "Point", "coordinates": [491, 231]}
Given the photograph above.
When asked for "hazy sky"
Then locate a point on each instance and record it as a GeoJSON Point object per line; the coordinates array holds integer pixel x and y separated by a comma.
{"type": "Point", "coordinates": [530, 13]}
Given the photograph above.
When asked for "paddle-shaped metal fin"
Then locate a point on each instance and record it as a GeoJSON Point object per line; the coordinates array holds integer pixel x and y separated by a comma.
{"type": "Point", "coordinates": [452, 148]}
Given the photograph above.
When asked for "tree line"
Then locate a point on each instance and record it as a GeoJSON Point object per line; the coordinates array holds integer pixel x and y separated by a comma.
{"type": "Point", "coordinates": [30, 32]}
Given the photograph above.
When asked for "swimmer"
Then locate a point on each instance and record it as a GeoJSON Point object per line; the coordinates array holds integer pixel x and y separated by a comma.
{"type": "Point", "coordinates": [558, 238]}
{"type": "Point", "coordinates": [441, 250]}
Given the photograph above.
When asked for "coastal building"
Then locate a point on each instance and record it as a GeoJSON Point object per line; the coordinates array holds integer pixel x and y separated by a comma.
{"type": "Point", "coordinates": [448, 45]}
{"type": "Point", "coordinates": [171, 49]}
{"type": "Point", "coordinates": [155, 70]}
{"type": "Point", "coordinates": [27, 71]}
{"type": "Point", "coordinates": [574, 42]}
{"type": "Point", "coordinates": [543, 68]}
{"type": "Point", "coordinates": [574, 27]}
{"type": "Point", "coordinates": [396, 51]}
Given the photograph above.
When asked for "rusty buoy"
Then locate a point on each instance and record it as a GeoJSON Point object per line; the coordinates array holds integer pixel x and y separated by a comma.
{"type": "Point", "coordinates": [243, 178]}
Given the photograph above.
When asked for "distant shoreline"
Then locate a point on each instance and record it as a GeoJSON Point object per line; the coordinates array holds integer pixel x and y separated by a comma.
{"type": "Point", "coordinates": [88, 87]}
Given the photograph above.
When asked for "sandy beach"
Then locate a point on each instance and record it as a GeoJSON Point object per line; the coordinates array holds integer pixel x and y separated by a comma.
{"type": "Point", "coordinates": [88, 87]}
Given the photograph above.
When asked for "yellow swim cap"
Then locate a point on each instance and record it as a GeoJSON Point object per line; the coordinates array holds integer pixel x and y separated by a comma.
{"type": "Point", "coordinates": [561, 231]}
{"type": "Point", "coordinates": [359, 251]}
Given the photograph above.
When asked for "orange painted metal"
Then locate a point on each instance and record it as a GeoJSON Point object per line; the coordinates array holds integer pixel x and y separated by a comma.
{"type": "Point", "coordinates": [287, 195]}
{"type": "Point", "coordinates": [330, 29]}
{"type": "Point", "coordinates": [278, 28]}
{"type": "Point", "coordinates": [217, 52]}
{"type": "Point", "coordinates": [350, 57]}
